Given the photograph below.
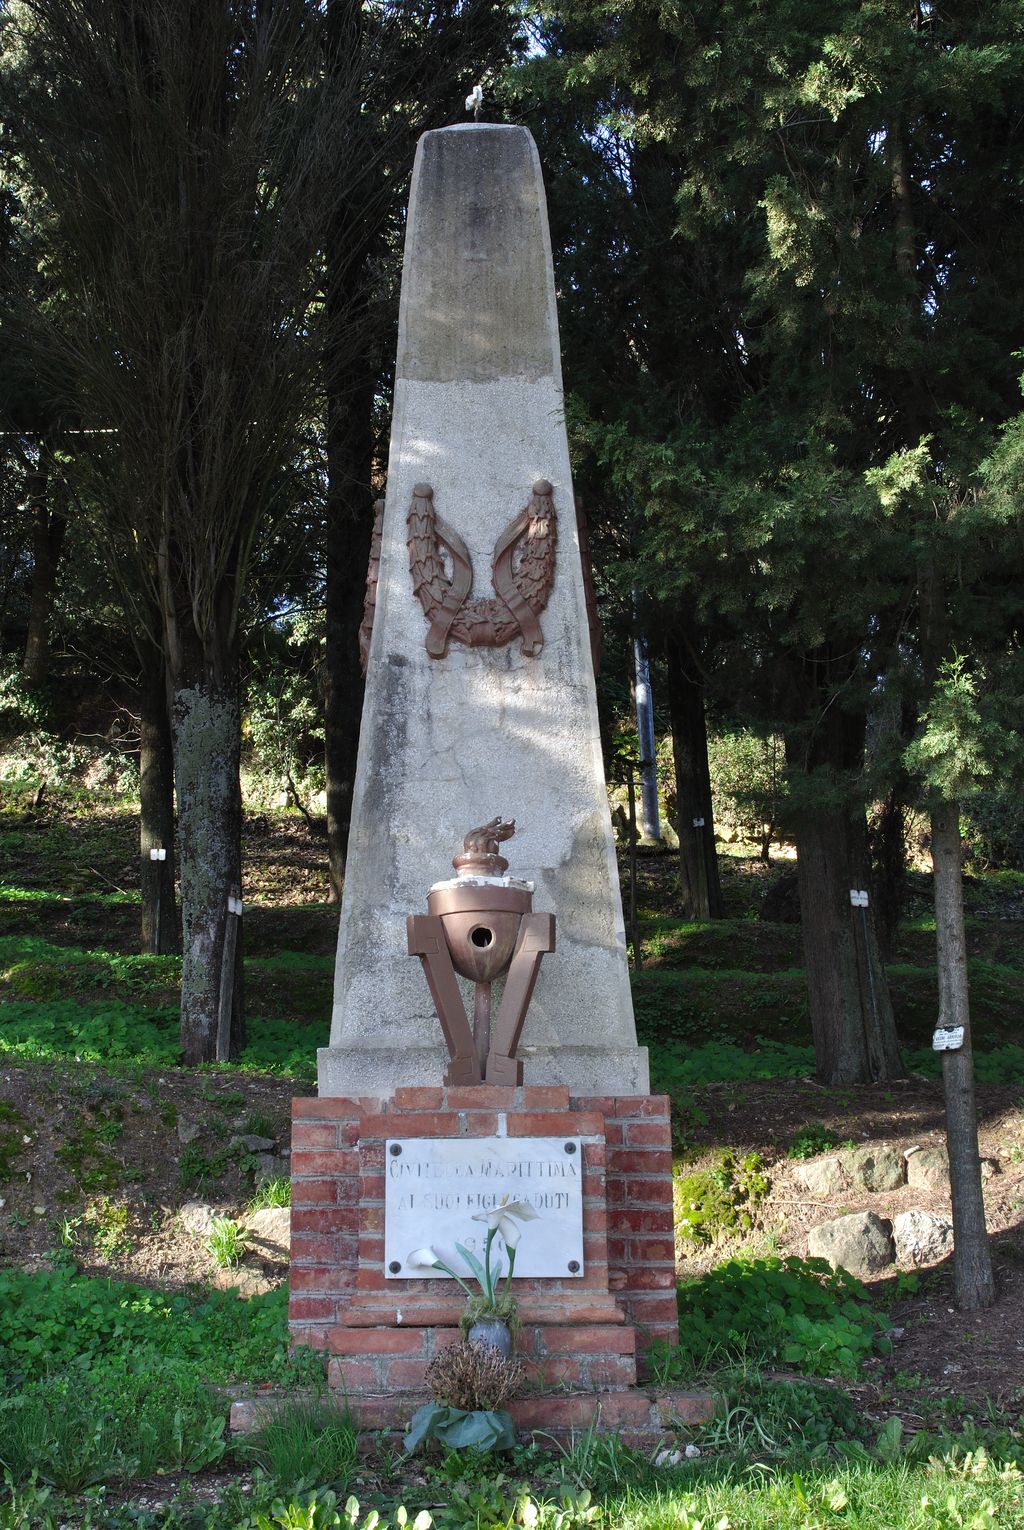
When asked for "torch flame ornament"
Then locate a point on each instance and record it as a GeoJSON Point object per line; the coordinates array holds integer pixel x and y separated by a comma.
{"type": "Point", "coordinates": [474, 101]}
{"type": "Point", "coordinates": [481, 925]}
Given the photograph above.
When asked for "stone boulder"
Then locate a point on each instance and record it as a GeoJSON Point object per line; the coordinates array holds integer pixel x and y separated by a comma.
{"type": "Point", "coordinates": [196, 1218]}
{"type": "Point", "coordinates": [877, 1168]}
{"type": "Point", "coordinates": [253, 1144]}
{"type": "Point", "coordinates": [271, 1166]}
{"type": "Point", "coordinates": [269, 1232]}
{"type": "Point", "coordinates": [860, 1242]}
{"type": "Point", "coordinates": [246, 1282]}
{"type": "Point", "coordinates": [928, 1169]}
{"type": "Point", "coordinates": [823, 1176]}
{"type": "Point", "coordinates": [921, 1237]}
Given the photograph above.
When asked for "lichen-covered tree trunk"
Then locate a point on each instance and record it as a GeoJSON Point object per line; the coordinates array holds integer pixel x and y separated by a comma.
{"type": "Point", "coordinates": [205, 722]}
{"type": "Point", "coordinates": [156, 810]}
{"type": "Point", "coordinates": [700, 887]}
{"type": "Point", "coordinates": [973, 1284]}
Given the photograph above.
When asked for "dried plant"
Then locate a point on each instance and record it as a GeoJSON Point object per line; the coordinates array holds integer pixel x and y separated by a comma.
{"type": "Point", "coordinates": [473, 1377]}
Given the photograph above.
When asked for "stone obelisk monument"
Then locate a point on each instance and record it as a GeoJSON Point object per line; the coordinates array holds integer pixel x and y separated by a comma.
{"type": "Point", "coordinates": [480, 687]}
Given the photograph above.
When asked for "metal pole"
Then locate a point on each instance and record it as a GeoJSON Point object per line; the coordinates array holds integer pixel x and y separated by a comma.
{"type": "Point", "coordinates": [650, 819]}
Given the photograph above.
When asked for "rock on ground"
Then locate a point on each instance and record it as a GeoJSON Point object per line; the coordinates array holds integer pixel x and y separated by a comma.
{"type": "Point", "coordinates": [246, 1282]}
{"type": "Point", "coordinates": [197, 1217]}
{"type": "Point", "coordinates": [921, 1237]}
{"type": "Point", "coordinates": [928, 1169]}
{"type": "Point", "coordinates": [877, 1168]}
{"type": "Point", "coordinates": [271, 1166]}
{"type": "Point", "coordinates": [823, 1176]}
{"type": "Point", "coordinates": [269, 1231]}
{"type": "Point", "coordinates": [861, 1243]}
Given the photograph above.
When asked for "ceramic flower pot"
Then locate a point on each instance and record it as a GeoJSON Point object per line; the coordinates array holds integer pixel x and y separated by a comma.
{"type": "Point", "coordinates": [491, 1333]}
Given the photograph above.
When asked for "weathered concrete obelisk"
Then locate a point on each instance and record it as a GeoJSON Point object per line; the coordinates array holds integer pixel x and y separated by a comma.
{"type": "Point", "coordinates": [480, 701]}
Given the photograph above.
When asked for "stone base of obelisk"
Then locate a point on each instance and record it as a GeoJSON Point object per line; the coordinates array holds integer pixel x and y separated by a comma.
{"type": "Point", "coordinates": [583, 1339]}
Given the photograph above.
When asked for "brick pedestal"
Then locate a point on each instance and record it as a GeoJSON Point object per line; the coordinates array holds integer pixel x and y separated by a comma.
{"type": "Point", "coordinates": [584, 1334]}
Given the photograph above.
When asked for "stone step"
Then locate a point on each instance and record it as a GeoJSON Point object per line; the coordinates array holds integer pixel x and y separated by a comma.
{"type": "Point", "coordinates": [640, 1418]}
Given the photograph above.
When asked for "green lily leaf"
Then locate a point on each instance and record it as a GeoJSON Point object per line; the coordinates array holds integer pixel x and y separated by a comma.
{"type": "Point", "coordinates": [474, 1264]}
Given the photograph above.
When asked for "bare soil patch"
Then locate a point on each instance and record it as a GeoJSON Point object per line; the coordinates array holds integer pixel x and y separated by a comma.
{"type": "Point", "coordinates": [95, 1164]}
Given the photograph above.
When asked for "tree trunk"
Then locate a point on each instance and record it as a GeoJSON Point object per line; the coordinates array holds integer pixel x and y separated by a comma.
{"type": "Point", "coordinates": [48, 528]}
{"type": "Point", "coordinates": [205, 720]}
{"type": "Point", "coordinates": [889, 864]}
{"type": "Point", "coordinates": [350, 378]}
{"type": "Point", "coordinates": [349, 528]}
{"type": "Point", "coordinates": [160, 935]}
{"type": "Point", "coordinates": [700, 888]}
{"type": "Point", "coordinates": [973, 1284]}
{"type": "Point", "coordinates": [851, 1012]}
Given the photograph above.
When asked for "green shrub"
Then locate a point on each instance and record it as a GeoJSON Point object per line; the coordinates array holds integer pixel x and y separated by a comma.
{"type": "Point", "coordinates": [108, 1032]}
{"type": "Point", "coordinates": [714, 1202]}
{"type": "Point", "coordinates": [272, 1193]}
{"type": "Point", "coordinates": [13, 1127]}
{"type": "Point", "coordinates": [110, 1224]}
{"type": "Point", "coordinates": [226, 1243]}
{"type": "Point", "coordinates": [114, 1033]}
{"type": "Point", "coordinates": [747, 780]}
{"type": "Point", "coordinates": [812, 1139]}
{"type": "Point", "coordinates": [59, 1319]}
{"type": "Point", "coordinates": [318, 1509]}
{"type": "Point", "coordinates": [798, 1312]}
{"type": "Point", "coordinates": [677, 1070]}
{"type": "Point", "coordinates": [78, 1428]}
{"type": "Point", "coordinates": [197, 1167]}
{"type": "Point", "coordinates": [796, 1413]}
{"type": "Point", "coordinates": [993, 830]}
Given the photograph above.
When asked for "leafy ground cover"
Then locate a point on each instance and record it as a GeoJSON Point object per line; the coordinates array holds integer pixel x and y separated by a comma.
{"type": "Point", "coordinates": [122, 1428]}
{"type": "Point", "coordinates": [745, 1477]}
{"type": "Point", "coordinates": [121, 1336]}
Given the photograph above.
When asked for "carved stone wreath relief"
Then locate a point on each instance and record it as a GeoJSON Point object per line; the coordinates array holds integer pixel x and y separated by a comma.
{"type": "Point", "coordinates": [522, 573]}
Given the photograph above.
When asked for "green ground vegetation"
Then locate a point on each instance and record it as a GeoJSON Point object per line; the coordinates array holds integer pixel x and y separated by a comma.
{"type": "Point", "coordinates": [106, 1381]}
{"type": "Point", "coordinates": [719, 1001]}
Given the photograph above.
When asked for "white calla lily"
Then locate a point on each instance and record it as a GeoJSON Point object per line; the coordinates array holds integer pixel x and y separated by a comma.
{"type": "Point", "coordinates": [509, 1231]}
{"type": "Point", "coordinates": [422, 1259]}
{"type": "Point", "coordinates": [504, 1219]}
{"type": "Point", "coordinates": [500, 1219]}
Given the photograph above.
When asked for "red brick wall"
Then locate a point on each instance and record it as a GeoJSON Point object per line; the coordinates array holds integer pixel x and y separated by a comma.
{"type": "Point", "coordinates": [641, 1238]}
{"type": "Point", "coordinates": [337, 1280]}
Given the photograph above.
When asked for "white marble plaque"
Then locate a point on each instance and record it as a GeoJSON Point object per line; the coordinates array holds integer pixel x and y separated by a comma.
{"type": "Point", "coordinates": [440, 1191]}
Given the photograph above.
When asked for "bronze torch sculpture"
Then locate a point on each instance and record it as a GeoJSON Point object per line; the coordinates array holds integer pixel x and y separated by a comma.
{"type": "Point", "coordinates": [481, 924]}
